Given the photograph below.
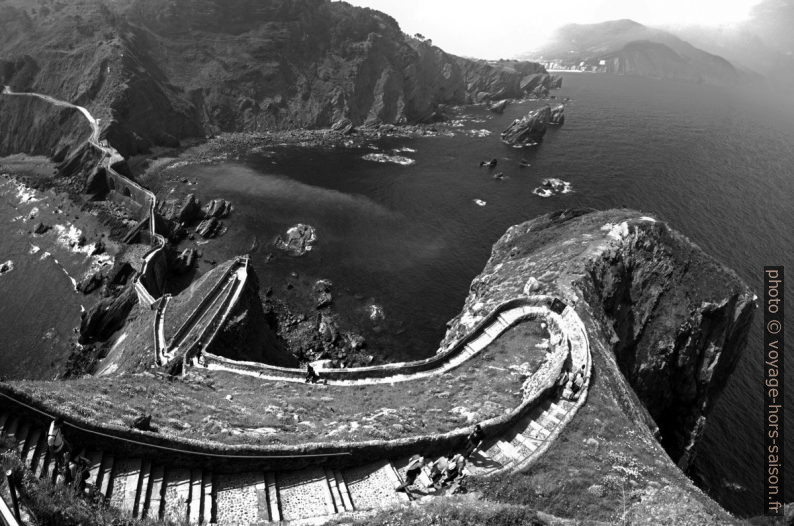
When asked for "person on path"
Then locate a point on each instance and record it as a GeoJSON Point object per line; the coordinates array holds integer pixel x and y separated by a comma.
{"type": "Point", "coordinates": [55, 441]}
{"type": "Point", "coordinates": [473, 441]}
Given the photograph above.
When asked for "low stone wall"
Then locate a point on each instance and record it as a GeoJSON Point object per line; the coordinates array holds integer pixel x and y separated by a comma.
{"type": "Point", "coordinates": [378, 371]}
{"type": "Point", "coordinates": [153, 272]}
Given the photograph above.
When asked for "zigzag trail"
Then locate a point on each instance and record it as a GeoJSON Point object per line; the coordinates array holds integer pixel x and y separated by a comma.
{"type": "Point", "coordinates": [112, 156]}
{"type": "Point", "coordinates": [319, 492]}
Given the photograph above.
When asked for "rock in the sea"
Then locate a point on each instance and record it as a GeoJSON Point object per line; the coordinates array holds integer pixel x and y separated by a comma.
{"type": "Point", "coordinates": [343, 126]}
{"type": "Point", "coordinates": [498, 107]}
{"type": "Point", "coordinates": [41, 228]}
{"type": "Point", "coordinates": [322, 293]}
{"type": "Point", "coordinates": [555, 82]}
{"type": "Point", "coordinates": [552, 186]}
{"type": "Point", "coordinates": [528, 130]}
{"type": "Point", "coordinates": [208, 228]}
{"type": "Point", "coordinates": [375, 313]}
{"type": "Point", "coordinates": [185, 261]}
{"type": "Point", "coordinates": [6, 267]}
{"type": "Point", "coordinates": [557, 115]}
{"type": "Point", "coordinates": [218, 208]}
{"type": "Point", "coordinates": [298, 239]}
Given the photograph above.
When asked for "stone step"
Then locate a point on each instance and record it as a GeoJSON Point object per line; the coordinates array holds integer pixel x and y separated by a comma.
{"type": "Point", "coordinates": [94, 467]}
{"type": "Point", "coordinates": [126, 476]}
{"type": "Point", "coordinates": [304, 493]}
{"type": "Point", "coordinates": [531, 444]}
{"type": "Point", "coordinates": [194, 509]}
{"type": "Point", "coordinates": [207, 499]}
{"type": "Point", "coordinates": [339, 505]}
{"type": "Point", "coordinates": [40, 470]}
{"type": "Point", "coordinates": [548, 420]}
{"type": "Point", "coordinates": [33, 447]}
{"type": "Point", "coordinates": [176, 497]}
{"type": "Point", "coordinates": [237, 498]}
{"type": "Point", "coordinates": [143, 489]}
{"type": "Point", "coordinates": [496, 454]}
{"type": "Point", "coordinates": [509, 450]}
{"type": "Point", "coordinates": [30, 443]}
{"type": "Point", "coordinates": [153, 505]}
{"type": "Point", "coordinates": [372, 486]}
{"type": "Point", "coordinates": [557, 410]}
{"type": "Point", "coordinates": [479, 343]}
{"type": "Point", "coordinates": [347, 502]}
{"type": "Point", "coordinates": [537, 430]}
{"type": "Point", "coordinates": [107, 475]}
{"type": "Point", "coordinates": [274, 507]}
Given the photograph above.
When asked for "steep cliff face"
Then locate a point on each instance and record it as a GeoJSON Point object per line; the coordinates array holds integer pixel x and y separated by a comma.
{"type": "Point", "coordinates": [157, 71]}
{"type": "Point", "coordinates": [666, 325]}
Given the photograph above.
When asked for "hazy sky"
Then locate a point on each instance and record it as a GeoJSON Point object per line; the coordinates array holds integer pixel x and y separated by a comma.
{"type": "Point", "coordinates": [504, 28]}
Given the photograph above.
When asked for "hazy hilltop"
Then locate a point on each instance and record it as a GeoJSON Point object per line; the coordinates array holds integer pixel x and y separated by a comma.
{"type": "Point", "coordinates": [157, 71]}
{"type": "Point", "coordinates": [763, 43]}
{"type": "Point", "coordinates": [628, 47]}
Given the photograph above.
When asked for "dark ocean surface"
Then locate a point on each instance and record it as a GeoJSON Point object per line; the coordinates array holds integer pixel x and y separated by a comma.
{"type": "Point", "coordinates": [714, 163]}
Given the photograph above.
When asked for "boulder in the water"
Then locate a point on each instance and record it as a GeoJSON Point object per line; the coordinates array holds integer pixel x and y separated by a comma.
{"type": "Point", "coordinates": [6, 266]}
{"type": "Point", "coordinates": [528, 130]}
{"type": "Point", "coordinates": [41, 228]}
{"type": "Point", "coordinates": [489, 164]}
{"type": "Point", "coordinates": [208, 228]}
{"type": "Point", "coordinates": [218, 208]}
{"type": "Point", "coordinates": [498, 107]}
{"type": "Point", "coordinates": [322, 293]}
{"type": "Point", "coordinates": [557, 114]}
{"type": "Point", "coordinates": [297, 240]}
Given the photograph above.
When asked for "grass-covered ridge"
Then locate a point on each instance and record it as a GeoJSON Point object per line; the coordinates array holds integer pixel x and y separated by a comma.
{"type": "Point", "coordinates": [234, 409]}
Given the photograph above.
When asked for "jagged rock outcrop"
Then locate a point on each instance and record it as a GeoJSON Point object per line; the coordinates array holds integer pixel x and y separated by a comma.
{"type": "Point", "coordinates": [217, 208]}
{"type": "Point", "coordinates": [209, 228]}
{"type": "Point", "coordinates": [557, 114]}
{"type": "Point", "coordinates": [151, 71]}
{"type": "Point", "coordinates": [107, 316]}
{"type": "Point", "coordinates": [528, 130]}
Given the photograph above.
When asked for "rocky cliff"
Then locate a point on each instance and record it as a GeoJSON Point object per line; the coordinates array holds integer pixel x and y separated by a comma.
{"type": "Point", "coordinates": [157, 71]}
{"type": "Point", "coordinates": [666, 325]}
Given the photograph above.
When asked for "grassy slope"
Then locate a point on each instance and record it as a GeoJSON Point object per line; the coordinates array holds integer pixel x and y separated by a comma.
{"type": "Point", "coordinates": [264, 412]}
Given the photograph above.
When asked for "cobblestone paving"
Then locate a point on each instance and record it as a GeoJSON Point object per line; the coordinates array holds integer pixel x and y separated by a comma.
{"type": "Point", "coordinates": [236, 498]}
{"type": "Point", "coordinates": [127, 471]}
{"type": "Point", "coordinates": [371, 486]}
{"type": "Point", "coordinates": [177, 493]}
{"type": "Point", "coordinates": [303, 493]}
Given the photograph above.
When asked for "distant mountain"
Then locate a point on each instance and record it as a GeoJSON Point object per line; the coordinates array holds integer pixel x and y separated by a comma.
{"type": "Point", "coordinates": [630, 48]}
{"type": "Point", "coordinates": [764, 43]}
{"type": "Point", "coordinates": [158, 71]}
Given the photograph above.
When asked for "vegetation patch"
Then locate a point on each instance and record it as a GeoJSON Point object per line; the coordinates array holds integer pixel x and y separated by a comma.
{"type": "Point", "coordinates": [235, 409]}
